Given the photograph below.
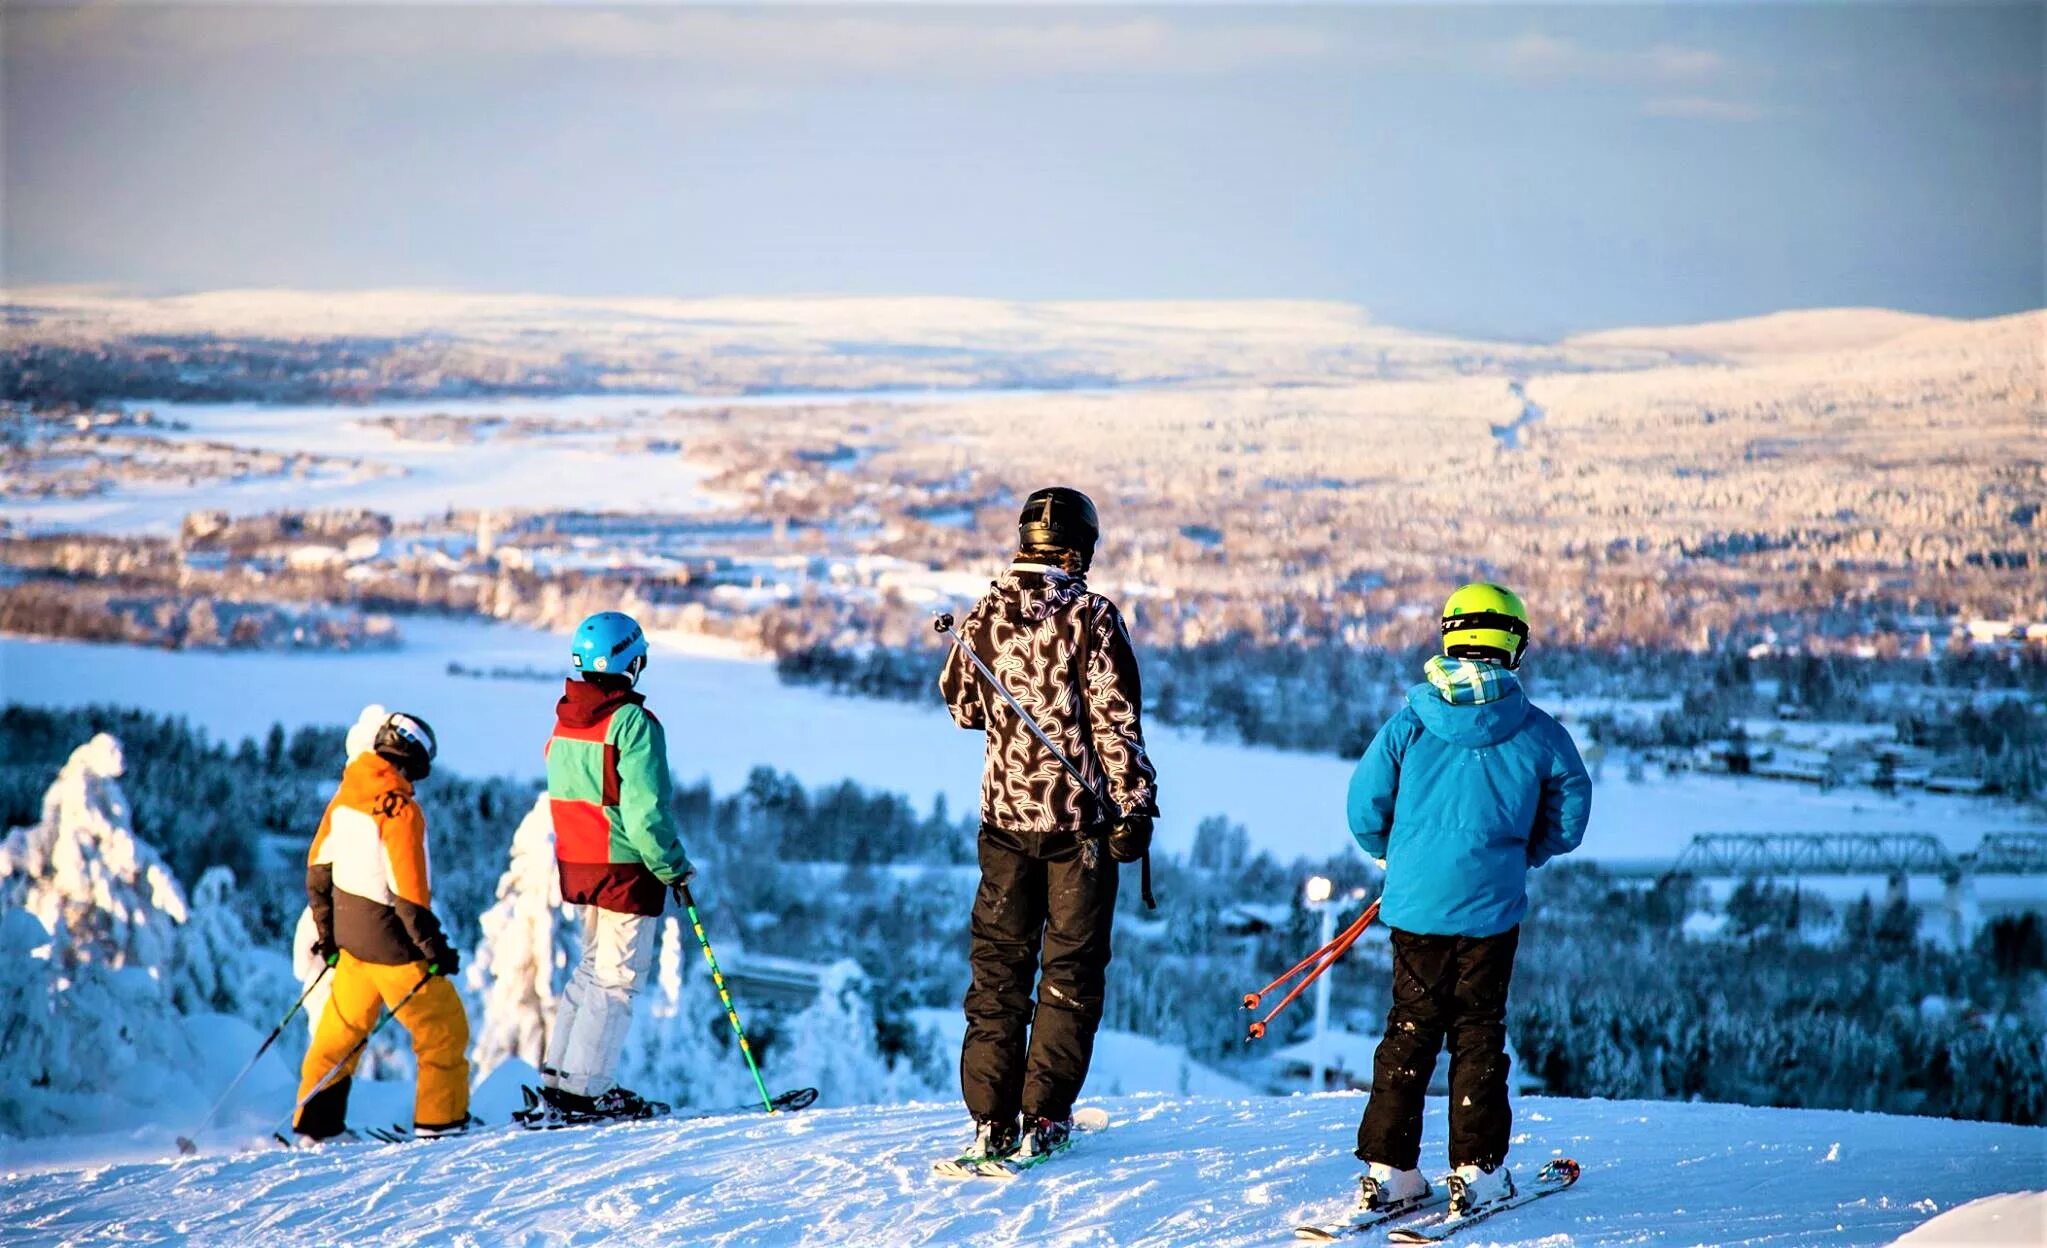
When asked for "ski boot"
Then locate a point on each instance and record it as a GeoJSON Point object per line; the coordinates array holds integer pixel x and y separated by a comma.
{"type": "Point", "coordinates": [1382, 1189]}
{"type": "Point", "coordinates": [1472, 1188]}
{"type": "Point", "coordinates": [614, 1104]}
{"type": "Point", "coordinates": [445, 1130]}
{"type": "Point", "coordinates": [300, 1140]}
{"type": "Point", "coordinates": [993, 1141]}
{"type": "Point", "coordinates": [549, 1108]}
{"type": "Point", "coordinates": [1043, 1136]}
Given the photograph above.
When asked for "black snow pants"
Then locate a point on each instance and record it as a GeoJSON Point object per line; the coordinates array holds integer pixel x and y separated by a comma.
{"type": "Point", "coordinates": [1454, 987]}
{"type": "Point", "coordinates": [1049, 890]}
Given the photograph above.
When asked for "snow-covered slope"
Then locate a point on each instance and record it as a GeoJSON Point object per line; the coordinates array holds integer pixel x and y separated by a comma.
{"type": "Point", "coordinates": [1168, 1171]}
{"type": "Point", "coordinates": [1800, 332]}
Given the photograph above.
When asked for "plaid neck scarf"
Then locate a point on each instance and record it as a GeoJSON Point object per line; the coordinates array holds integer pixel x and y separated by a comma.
{"type": "Point", "coordinates": [1469, 682]}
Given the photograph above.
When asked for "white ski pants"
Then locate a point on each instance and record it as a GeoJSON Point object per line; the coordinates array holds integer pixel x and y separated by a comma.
{"type": "Point", "coordinates": [597, 1006]}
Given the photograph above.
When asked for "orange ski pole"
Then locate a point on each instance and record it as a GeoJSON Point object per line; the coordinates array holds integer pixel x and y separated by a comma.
{"type": "Point", "coordinates": [1251, 999]}
{"type": "Point", "coordinates": [1334, 950]}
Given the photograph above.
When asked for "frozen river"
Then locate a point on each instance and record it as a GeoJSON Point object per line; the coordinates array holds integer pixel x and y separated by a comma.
{"type": "Point", "coordinates": [726, 716]}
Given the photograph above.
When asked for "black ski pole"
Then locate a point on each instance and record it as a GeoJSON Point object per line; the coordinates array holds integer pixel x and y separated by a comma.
{"type": "Point", "coordinates": [944, 624]}
{"type": "Point", "coordinates": [186, 1144]}
{"type": "Point", "coordinates": [360, 1045]}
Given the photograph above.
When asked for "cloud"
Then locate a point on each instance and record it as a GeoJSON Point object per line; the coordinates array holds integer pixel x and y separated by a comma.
{"type": "Point", "coordinates": [1542, 57]}
{"type": "Point", "coordinates": [735, 43]}
{"type": "Point", "coordinates": [1698, 84]}
{"type": "Point", "coordinates": [1703, 108]}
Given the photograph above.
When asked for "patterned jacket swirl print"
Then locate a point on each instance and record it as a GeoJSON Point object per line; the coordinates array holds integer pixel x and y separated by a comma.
{"type": "Point", "coordinates": [1066, 656]}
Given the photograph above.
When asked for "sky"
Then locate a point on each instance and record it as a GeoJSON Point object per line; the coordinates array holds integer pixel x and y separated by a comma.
{"type": "Point", "coordinates": [1518, 171]}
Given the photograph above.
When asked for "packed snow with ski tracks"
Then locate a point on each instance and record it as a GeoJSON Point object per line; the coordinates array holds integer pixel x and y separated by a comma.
{"type": "Point", "coordinates": [1168, 1170]}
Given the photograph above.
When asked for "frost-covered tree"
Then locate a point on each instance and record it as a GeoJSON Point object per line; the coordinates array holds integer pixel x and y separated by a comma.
{"type": "Point", "coordinates": [529, 942]}
{"type": "Point", "coordinates": [104, 894]}
{"type": "Point", "coordinates": [28, 1020]}
{"type": "Point", "coordinates": [219, 968]}
{"type": "Point", "coordinates": [832, 1046]}
{"type": "Point", "coordinates": [89, 919]}
{"type": "Point", "coordinates": [677, 1050]}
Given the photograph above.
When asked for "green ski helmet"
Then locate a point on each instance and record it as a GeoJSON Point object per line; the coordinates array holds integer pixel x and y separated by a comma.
{"type": "Point", "coordinates": [1485, 621]}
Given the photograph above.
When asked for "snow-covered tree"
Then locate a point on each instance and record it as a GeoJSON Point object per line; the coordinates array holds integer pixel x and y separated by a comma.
{"type": "Point", "coordinates": [219, 968]}
{"type": "Point", "coordinates": [677, 1050]}
{"type": "Point", "coordinates": [831, 1046]}
{"type": "Point", "coordinates": [530, 942]}
{"type": "Point", "coordinates": [104, 894]}
{"type": "Point", "coordinates": [89, 918]}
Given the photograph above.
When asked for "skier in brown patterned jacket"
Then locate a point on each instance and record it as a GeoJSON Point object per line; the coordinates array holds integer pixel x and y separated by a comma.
{"type": "Point", "coordinates": [1048, 846]}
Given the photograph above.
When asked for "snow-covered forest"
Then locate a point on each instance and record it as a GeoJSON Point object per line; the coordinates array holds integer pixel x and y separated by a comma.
{"type": "Point", "coordinates": [1622, 992]}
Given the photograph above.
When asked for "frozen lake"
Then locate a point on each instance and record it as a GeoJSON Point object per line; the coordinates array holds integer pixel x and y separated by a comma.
{"type": "Point", "coordinates": [725, 716]}
{"type": "Point", "coordinates": [577, 464]}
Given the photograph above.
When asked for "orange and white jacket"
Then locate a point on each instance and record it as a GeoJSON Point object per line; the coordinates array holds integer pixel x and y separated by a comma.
{"type": "Point", "coordinates": [367, 875]}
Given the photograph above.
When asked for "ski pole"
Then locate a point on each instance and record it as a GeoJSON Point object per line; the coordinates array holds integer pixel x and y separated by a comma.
{"type": "Point", "coordinates": [689, 903]}
{"type": "Point", "coordinates": [185, 1142]}
{"type": "Point", "coordinates": [328, 1078]}
{"type": "Point", "coordinates": [1327, 958]}
{"type": "Point", "coordinates": [944, 624]}
{"type": "Point", "coordinates": [1251, 999]}
{"type": "Point", "coordinates": [1257, 1029]}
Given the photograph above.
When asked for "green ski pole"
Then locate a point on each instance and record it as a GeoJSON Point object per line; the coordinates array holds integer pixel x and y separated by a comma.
{"type": "Point", "coordinates": [689, 903]}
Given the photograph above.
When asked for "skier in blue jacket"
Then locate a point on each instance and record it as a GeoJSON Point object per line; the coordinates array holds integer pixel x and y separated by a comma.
{"type": "Point", "coordinates": [1461, 793]}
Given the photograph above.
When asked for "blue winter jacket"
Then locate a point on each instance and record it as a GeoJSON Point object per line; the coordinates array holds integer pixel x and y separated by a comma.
{"type": "Point", "coordinates": [1461, 801]}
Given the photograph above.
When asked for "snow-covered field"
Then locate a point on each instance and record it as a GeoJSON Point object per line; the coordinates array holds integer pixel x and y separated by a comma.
{"type": "Point", "coordinates": [725, 716]}
{"type": "Point", "coordinates": [1219, 1172]}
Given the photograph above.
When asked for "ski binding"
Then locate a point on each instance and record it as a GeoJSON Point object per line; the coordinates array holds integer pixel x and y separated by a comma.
{"type": "Point", "coordinates": [1554, 1177]}
{"type": "Point", "coordinates": [970, 1167]}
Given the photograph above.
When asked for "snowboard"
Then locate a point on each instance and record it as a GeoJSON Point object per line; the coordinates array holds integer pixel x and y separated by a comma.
{"type": "Point", "coordinates": [1325, 1232]}
{"type": "Point", "coordinates": [1554, 1177]}
{"type": "Point", "coordinates": [1085, 1121]}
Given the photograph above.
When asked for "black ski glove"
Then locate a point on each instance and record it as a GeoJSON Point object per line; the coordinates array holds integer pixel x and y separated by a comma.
{"type": "Point", "coordinates": [443, 961]}
{"type": "Point", "coordinates": [1130, 838]}
{"type": "Point", "coordinates": [327, 951]}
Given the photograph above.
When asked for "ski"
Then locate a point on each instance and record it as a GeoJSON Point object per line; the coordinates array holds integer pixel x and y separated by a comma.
{"type": "Point", "coordinates": [971, 1167]}
{"type": "Point", "coordinates": [536, 1116]}
{"type": "Point", "coordinates": [1554, 1177]}
{"type": "Point", "coordinates": [1324, 1232]}
{"type": "Point", "coordinates": [346, 1139]}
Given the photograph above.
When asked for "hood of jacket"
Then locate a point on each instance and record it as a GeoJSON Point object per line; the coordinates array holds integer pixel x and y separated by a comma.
{"type": "Point", "coordinates": [1467, 724]}
{"type": "Point", "coordinates": [368, 777]}
{"type": "Point", "coordinates": [584, 705]}
{"type": "Point", "coordinates": [1034, 592]}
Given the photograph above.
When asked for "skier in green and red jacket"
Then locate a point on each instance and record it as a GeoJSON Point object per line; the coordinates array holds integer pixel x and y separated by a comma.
{"type": "Point", "coordinates": [620, 857]}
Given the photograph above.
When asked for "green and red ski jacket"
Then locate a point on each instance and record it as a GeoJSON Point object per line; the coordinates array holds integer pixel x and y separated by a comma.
{"type": "Point", "coordinates": [608, 789]}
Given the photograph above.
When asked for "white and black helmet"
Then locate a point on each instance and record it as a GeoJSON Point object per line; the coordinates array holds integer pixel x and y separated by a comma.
{"type": "Point", "coordinates": [408, 742]}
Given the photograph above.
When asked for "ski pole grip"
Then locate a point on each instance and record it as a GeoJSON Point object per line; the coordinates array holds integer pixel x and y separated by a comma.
{"type": "Point", "coordinates": [942, 622]}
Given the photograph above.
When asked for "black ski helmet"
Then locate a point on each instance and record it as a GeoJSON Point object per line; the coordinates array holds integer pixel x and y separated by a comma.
{"type": "Point", "coordinates": [1061, 517]}
{"type": "Point", "coordinates": [408, 743]}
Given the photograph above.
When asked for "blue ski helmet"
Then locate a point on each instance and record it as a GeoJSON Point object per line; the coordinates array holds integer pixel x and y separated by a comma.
{"type": "Point", "coordinates": [612, 643]}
